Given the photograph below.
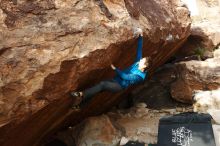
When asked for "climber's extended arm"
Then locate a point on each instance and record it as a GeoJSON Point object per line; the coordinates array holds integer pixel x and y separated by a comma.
{"type": "Point", "coordinates": [139, 48]}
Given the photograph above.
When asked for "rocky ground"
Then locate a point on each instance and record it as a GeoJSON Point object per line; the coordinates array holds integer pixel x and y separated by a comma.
{"type": "Point", "coordinates": [138, 123]}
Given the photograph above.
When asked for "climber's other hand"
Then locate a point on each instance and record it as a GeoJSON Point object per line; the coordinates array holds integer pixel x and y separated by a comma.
{"type": "Point", "coordinates": [113, 67]}
{"type": "Point", "coordinates": [137, 32]}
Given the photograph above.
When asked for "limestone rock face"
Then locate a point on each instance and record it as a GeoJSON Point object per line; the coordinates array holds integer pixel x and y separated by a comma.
{"type": "Point", "coordinates": [205, 30]}
{"type": "Point", "coordinates": [203, 41]}
{"type": "Point", "coordinates": [195, 75]}
{"type": "Point", "coordinates": [49, 47]}
{"type": "Point", "coordinates": [205, 23]}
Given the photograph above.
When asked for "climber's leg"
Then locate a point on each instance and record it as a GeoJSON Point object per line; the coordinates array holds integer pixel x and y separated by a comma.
{"type": "Point", "coordinates": [87, 94]}
{"type": "Point", "coordinates": [111, 86]}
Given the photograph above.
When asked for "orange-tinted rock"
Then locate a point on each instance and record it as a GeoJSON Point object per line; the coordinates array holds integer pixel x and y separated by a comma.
{"type": "Point", "coordinates": [51, 47]}
{"type": "Point", "coordinates": [97, 130]}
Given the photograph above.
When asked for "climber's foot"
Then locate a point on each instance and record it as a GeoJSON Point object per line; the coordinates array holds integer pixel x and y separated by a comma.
{"type": "Point", "coordinates": [77, 100]}
{"type": "Point", "coordinates": [76, 94]}
{"type": "Point", "coordinates": [80, 104]}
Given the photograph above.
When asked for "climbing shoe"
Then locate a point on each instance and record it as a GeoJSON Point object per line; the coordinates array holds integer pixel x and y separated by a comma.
{"type": "Point", "coordinates": [77, 100]}
{"type": "Point", "coordinates": [75, 94]}
{"type": "Point", "coordinates": [79, 105]}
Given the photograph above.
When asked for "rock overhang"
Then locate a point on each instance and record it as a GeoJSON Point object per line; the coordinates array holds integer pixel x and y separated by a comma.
{"type": "Point", "coordinates": [70, 47]}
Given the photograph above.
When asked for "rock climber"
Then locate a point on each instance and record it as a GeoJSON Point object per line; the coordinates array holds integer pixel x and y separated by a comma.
{"type": "Point", "coordinates": [134, 74]}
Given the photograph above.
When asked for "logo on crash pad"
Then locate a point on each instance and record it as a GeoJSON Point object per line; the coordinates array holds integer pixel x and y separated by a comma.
{"type": "Point", "coordinates": [182, 136]}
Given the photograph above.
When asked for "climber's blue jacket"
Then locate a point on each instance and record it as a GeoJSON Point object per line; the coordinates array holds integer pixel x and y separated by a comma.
{"type": "Point", "coordinates": [131, 75]}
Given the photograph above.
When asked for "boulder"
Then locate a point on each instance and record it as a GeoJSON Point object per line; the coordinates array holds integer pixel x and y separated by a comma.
{"type": "Point", "coordinates": [49, 48]}
{"type": "Point", "coordinates": [208, 102]}
{"type": "Point", "coordinates": [195, 75]}
{"type": "Point", "coordinates": [205, 30]}
{"type": "Point", "coordinates": [202, 43]}
{"type": "Point", "coordinates": [97, 131]}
